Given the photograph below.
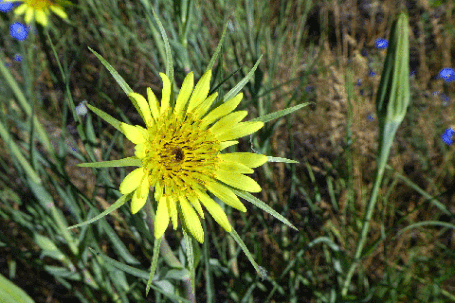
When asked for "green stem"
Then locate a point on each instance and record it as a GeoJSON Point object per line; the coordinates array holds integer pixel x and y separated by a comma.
{"type": "Point", "coordinates": [387, 134]}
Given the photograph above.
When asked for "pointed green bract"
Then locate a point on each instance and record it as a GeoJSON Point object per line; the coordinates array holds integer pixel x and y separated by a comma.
{"type": "Point", "coordinates": [280, 113]}
{"type": "Point", "coordinates": [110, 209]}
{"type": "Point", "coordinates": [258, 203]}
{"type": "Point", "coordinates": [129, 161]}
{"type": "Point", "coordinates": [279, 159]}
{"type": "Point", "coordinates": [190, 256]}
{"type": "Point", "coordinates": [156, 253]}
{"type": "Point", "coordinates": [217, 50]}
{"type": "Point", "coordinates": [260, 270]}
{"type": "Point", "coordinates": [106, 117]}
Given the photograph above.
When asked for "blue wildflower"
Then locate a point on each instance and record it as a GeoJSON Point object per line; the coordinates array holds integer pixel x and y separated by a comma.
{"type": "Point", "coordinates": [444, 99]}
{"type": "Point", "coordinates": [5, 6]}
{"type": "Point", "coordinates": [448, 74]}
{"type": "Point", "coordinates": [371, 73]}
{"type": "Point", "coordinates": [18, 31]}
{"type": "Point", "coordinates": [447, 136]}
{"type": "Point", "coordinates": [370, 117]}
{"type": "Point", "coordinates": [359, 82]}
{"type": "Point", "coordinates": [435, 93]}
{"type": "Point", "coordinates": [381, 43]}
{"type": "Point", "coordinates": [18, 58]}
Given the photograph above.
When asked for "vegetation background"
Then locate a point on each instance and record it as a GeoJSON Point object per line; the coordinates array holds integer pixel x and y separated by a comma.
{"type": "Point", "coordinates": [321, 52]}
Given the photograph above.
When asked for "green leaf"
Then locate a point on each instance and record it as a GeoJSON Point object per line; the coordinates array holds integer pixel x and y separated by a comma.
{"type": "Point", "coordinates": [258, 203]}
{"type": "Point", "coordinates": [279, 159]}
{"type": "Point", "coordinates": [110, 209]}
{"type": "Point", "coordinates": [129, 161]}
{"type": "Point", "coordinates": [427, 223]}
{"type": "Point", "coordinates": [279, 114]}
{"type": "Point", "coordinates": [234, 91]}
{"type": "Point", "coordinates": [10, 293]}
{"type": "Point", "coordinates": [262, 272]}
{"type": "Point", "coordinates": [106, 117]}
{"type": "Point", "coordinates": [169, 62]}
{"type": "Point", "coordinates": [156, 253]}
{"type": "Point", "coordinates": [190, 256]}
{"type": "Point", "coordinates": [217, 50]}
{"type": "Point", "coordinates": [125, 87]}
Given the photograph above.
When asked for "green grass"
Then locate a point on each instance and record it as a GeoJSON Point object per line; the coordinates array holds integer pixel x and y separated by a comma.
{"type": "Point", "coordinates": [409, 250]}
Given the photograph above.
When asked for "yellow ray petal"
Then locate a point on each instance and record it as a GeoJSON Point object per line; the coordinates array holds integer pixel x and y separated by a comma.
{"type": "Point", "coordinates": [162, 218]}
{"type": "Point", "coordinates": [142, 106]}
{"type": "Point", "coordinates": [224, 194]}
{"type": "Point", "coordinates": [20, 9]}
{"type": "Point", "coordinates": [135, 134]}
{"type": "Point", "coordinates": [166, 93]}
{"type": "Point", "coordinates": [153, 103]}
{"type": "Point", "coordinates": [41, 17]}
{"type": "Point", "coordinates": [227, 122]}
{"type": "Point", "coordinates": [172, 209]}
{"type": "Point", "coordinates": [226, 144]}
{"type": "Point", "coordinates": [195, 202]}
{"type": "Point", "coordinates": [192, 222]}
{"type": "Point", "coordinates": [199, 111]}
{"type": "Point", "coordinates": [248, 159]}
{"type": "Point", "coordinates": [132, 181]}
{"type": "Point", "coordinates": [140, 151]}
{"type": "Point", "coordinates": [200, 91]}
{"type": "Point", "coordinates": [140, 195]}
{"type": "Point", "coordinates": [221, 111]}
{"type": "Point", "coordinates": [234, 167]}
{"type": "Point", "coordinates": [238, 180]}
{"type": "Point", "coordinates": [29, 15]}
{"type": "Point", "coordinates": [215, 210]}
{"type": "Point", "coordinates": [239, 130]}
{"type": "Point", "coordinates": [184, 94]}
{"type": "Point", "coordinates": [59, 11]}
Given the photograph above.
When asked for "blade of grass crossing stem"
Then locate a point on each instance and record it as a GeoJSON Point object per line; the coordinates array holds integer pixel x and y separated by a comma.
{"type": "Point", "coordinates": [262, 272]}
{"type": "Point", "coordinates": [156, 253]}
{"type": "Point", "coordinates": [106, 117]}
{"type": "Point", "coordinates": [279, 114]}
{"type": "Point", "coordinates": [217, 50]}
{"type": "Point", "coordinates": [129, 161]}
{"type": "Point", "coordinates": [392, 100]}
{"type": "Point", "coordinates": [233, 92]}
{"type": "Point", "coordinates": [190, 256]}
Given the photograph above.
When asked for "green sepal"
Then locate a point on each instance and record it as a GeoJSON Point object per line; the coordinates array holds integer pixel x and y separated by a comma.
{"type": "Point", "coordinates": [110, 209]}
{"type": "Point", "coordinates": [190, 256]}
{"type": "Point", "coordinates": [106, 117]}
{"type": "Point", "coordinates": [217, 50]}
{"type": "Point", "coordinates": [280, 113]}
{"type": "Point", "coordinates": [279, 159]}
{"type": "Point", "coordinates": [156, 253]}
{"type": "Point", "coordinates": [258, 203]}
{"type": "Point", "coordinates": [129, 161]}
{"type": "Point", "coordinates": [262, 272]}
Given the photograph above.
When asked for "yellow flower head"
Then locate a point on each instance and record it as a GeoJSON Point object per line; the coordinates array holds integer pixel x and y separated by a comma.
{"type": "Point", "coordinates": [180, 151]}
{"type": "Point", "coordinates": [40, 10]}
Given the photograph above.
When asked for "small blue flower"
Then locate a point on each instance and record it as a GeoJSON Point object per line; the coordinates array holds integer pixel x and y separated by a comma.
{"type": "Point", "coordinates": [447, 136]}
{"type": "Point", "coordinates": [412, 73]}
{"type": "Point", "coordinates": [18, 58]}
{"type": "Point", "coordinates": [309, 88]}
{"type": "Point", "coordinates": [444, 99]}
{"type": "Point", "coordinates": [5, 6]}
{"type": "Point", "coordinates": [18, 31]}
{"type": "Point", "coordinates": [359, 82]}
{"type": "Point", "coordinates": [435, 93]}
{"type": "Point", "coordinates": [381, 43]}
{"type": "Point", "coordinates": [7, 64]}
{"type": "Point", "coordinates": [361, 92]}
{"type": "Point", "coordinates": [370, 117]}
{"type": "Point", "coordinates": [364, 53]}
{"type": "Point", "coordinates": [448, 74]}
{"type": "Point", "coordinates": [371, 73]}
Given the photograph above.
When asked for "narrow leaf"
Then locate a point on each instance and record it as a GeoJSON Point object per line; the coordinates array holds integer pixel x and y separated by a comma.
{"type": "Point", "coordinates": [190, 256]}
{"type": "Point", "coordinates": [106, 117]}
{"type": "Point", "coordinates": [279, 114]}
{"type": "Point", "coordinates": [169, 62]}
{"type": "Point", "coordinates": [279, 159]}
{"type": "Point", "coordinates": [258, 203]}
{"type": "Point", "coordinates": [262, 272]}
{"type": "Point", "coordinates": [129, 161]}
{"type": "Point", "coordinates": [110, 209]}
{"type": "Point", "coordinates": [156, 253]}
{"type": "Point", "coordinates": [233, 92]}
{"type": "Point", "coordinates": [217, 50]}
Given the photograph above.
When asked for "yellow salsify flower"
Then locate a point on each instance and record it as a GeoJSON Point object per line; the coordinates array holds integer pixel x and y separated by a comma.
{"type": "Point", "coordinates": [40, 10]}
{"type": "Point", "coordinates": [180, 151]}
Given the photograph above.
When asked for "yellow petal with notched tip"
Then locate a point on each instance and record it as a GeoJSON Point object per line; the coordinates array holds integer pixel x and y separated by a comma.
{"type": "Point", "coordinates": [227, 122]}
{"type": "Point", "coordinates": [143, 107]}
{"type": "Point", "coordinates": [184, 94]}
{"type": "Point", "coordinates": [221, 111]}
{"type": "Point", "coordinates": [192, 222]}
{"type": "Point", "coordinates": [59, 11]}
{"type": "Point", "coordinates": [135, 134]}
{"type": "Point", "coordinates": [225, 194]}
{"type": "Point", "coordinates": [234, 167]}
{"type": "Point", "coordinates": [165, 93]}
{"type": "Point", "coordinates": [199, 111]}
{"type": "Point", "coordinates": [132, 181]}
{"type": "Point", "coordinates": [140, 151]}
{"type": "Point", "coordinates": [29, 15]}
{"type": "Point", "coordinates": [172, 209]}
{"type": "Point", "coordinates": [237, 180]}
{"type": "Point", "coordinates": [20, 9]}
{"type": "Point", "coordinates": [161, 218]}
{"type": "Point", "coordinates": [153, 103]}
{"type": "Point", "coordinates": [251, 160]}
{"type": "Point", "coordinates": [137, 202]}
{"type": "Point", "coordinates": [41, 17]}
{"type": "Point", "coordinates": [195, 202]}
{"type": "Point", "coordinates": [239, 130]}
{"type": "Point", "coordinates": [215, 210]}
{"type": "Point", "coordinates": [201, 91]}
